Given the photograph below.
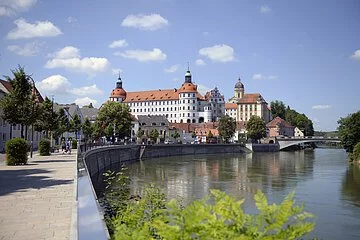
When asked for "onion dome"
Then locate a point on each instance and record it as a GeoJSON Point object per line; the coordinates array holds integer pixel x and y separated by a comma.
{"type": "Point", "coordinates": [118, 93]}
{"type": "Point", "coordinates": [239, 84]}
{"type": "Point", "coordinates": [188, 88]}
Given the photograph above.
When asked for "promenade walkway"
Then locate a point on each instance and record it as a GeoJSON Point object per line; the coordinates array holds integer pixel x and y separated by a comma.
{"type": "Point", "coordinates": [37, 200]}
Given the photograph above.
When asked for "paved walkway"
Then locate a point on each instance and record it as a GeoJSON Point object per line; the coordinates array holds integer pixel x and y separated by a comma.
{"type": "Point", "coordinates": [36, 200]}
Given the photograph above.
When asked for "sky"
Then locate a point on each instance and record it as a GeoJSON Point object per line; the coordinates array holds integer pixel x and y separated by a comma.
{"type": "Point", "coordinates": [304, 53]}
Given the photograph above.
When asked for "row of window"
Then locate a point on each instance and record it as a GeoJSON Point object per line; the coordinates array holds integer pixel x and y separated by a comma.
{"type": "Point", "coordinates": [164, 109]}
{"type": "Point", "coordinates": [187, 94]}
{"type": "Point", "coordinates": [249, 107]}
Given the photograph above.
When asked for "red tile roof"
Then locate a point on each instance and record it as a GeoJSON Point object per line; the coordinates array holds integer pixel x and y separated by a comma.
{"type": "Point", "coordinates": [250, 98]}
{"type": "Point", "coordinates": [6, 84]}
{"type": "Point", "coordinates": [156, 95]}
{"type": "Point", "coordinates": [279, 122]}
{"type": "Point", "coordinates": [230, 106]}
{"type": "Point", "coordinates": [8, 87]}
{"type": "Point", "coordinates": [204, 131]}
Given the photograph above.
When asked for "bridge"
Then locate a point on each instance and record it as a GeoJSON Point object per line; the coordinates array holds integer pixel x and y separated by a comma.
{"type": "Point", "coordinates": [285, 142]}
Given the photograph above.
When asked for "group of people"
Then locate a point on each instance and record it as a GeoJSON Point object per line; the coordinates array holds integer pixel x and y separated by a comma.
{"type": "Point", "coordinates": [66, 146]}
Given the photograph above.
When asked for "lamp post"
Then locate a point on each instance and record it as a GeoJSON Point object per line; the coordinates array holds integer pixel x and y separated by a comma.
{"type": "Point", "coordinates": [32, 115]}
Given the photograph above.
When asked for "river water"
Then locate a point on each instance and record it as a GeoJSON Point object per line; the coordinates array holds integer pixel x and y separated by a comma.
{"type": "Point", "coordinates": [322, 180]}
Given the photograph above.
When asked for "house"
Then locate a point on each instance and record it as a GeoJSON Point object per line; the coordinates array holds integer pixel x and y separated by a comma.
{"type": "Point", "coordinates": [279, 127]}
{"type": "Point", "coordinates": [150, 122]}
{"type": "Point", "coordinates": [298, 132]}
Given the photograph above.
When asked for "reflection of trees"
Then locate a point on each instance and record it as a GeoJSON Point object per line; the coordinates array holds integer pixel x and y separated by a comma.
{"type": "Point", "coordinates": [351, 184]}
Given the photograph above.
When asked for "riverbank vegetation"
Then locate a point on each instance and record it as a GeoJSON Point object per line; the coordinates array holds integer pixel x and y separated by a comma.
{"type": "Point", "coordinates": [216, 216]}
{"type": "Point", "coordinates": [349, 132]}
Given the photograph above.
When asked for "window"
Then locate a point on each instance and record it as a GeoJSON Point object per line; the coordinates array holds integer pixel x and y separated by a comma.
{"type": "Point", "coordinates": [194, 95]}
{"type": "Point", "coordinates": [175, 108]}
{"type": "Point", "coordinates": [193, 107]}
{"type": "Point", "coordinates": [171, 109]}
{"type": "Point", "coordinates": [188, 107]}
{"type": "Point", "coordinates": [167, 109]}
{"type": "Point", "coordinates": [188, 94]}
{"type": "Point", "coordinates": [153, 124]}
{"type": "Point", "coordinates": [188, 114]}
{"type": "Point", "coordinates": [188, 100]}
{"type": "Point", "coordinates": [183, 107]}
{"type": "Point", "coordinates": [193, 114]}
{"type": "Point", "coordinates": [155, 109]}
{"type": "Point", "coordinates": [183, 101]}
{"type": "Point", "coordinates": [183, 114]}
{"type": "Point", "coordinates": [171, 115]}
{"type": "Point", "coordinates": [193, 101]}
{"type": "Point", "coordinates": [174, 115]}
{"type": "Point", "coordinates": [164, 109]}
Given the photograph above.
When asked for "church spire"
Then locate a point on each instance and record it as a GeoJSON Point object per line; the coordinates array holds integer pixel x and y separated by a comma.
{"type": "Point", "coordinates": [119, 82]}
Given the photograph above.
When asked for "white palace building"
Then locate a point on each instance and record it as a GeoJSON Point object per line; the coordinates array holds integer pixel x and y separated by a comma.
{"type": "Point", "coordinates": [183, 105]}
{"type": "Point", "coordinates": [187, 105]}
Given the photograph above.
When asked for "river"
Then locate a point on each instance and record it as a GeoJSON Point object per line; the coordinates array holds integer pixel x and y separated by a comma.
{"type": "Point", "coordinates": [322, 180]}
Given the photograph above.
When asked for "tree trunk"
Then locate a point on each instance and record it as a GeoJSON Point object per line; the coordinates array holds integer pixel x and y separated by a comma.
{"type": "Point", "coordinates": [26, 132]}
{"type": "Point", "coordinates": [22, 131]}
{"type": "Point", "coordinates": [11, 127]}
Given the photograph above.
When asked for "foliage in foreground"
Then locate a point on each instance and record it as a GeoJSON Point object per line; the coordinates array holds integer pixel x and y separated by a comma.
{"type": "Point", "coordinates": [256, 127]}
{"type": "Point", "coordinates": [349, 131]}
{"type": "Point", "coordinates": [217, 216]}
{"type": "Point", "coordinates": [44, 147]}
{"type": "Point", "coordinates": [16, 151]}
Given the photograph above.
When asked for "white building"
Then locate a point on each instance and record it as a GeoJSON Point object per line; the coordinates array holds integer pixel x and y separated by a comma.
{"type": "Point", "coordinates": [244, 105]}
{"type": "Point", "coordinates": [298, 132]}
{"type": "Point", "coordinates": [179, 105]}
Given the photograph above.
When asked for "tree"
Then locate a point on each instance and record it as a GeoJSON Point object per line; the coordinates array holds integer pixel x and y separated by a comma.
{"type": "Point", "coordinates": [278, 109]}
{"type": "Point", "coordinates": [349, 131]}
{"type": "Point", "coordinates": [210, 135]}
{"type": "Point", "coordinates": [227, 127]}
{"type": "Point", "coordinates": [140, 133]}
{"type": "Point", "coordinates": [17, 105]}
{"type": "Point", "coordinates": [256, 128]}
{"type": "Point", "coordinates": [47, 121]}
{"type": "Point", "coordinates": [87, 129]}
{"type": "Point", "coordinates": [299, 120]}
{"type": "Point", "coordinates": [63, 123]}
{"type": "Point", "coordinates": [175, 135]}
{"type": "Point", "coordinates": [114, 119]}
{"type": "Point", "coordinates": [76, 125]}
{"type": "Point", "coordinates": [154, 134]}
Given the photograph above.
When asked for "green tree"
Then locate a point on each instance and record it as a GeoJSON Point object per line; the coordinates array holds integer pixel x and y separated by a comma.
{"type": "Point", "coordinates": [299, 120]}
{"type": "Point", "coordinates": [140, 133]}
{"type": "Point", "coordinates": [62, 122]}
{"type": "Point", "coordinates": [17, 105]}
{"type": "Point", "coordinates": [278, 109]}
{"type": "Point", "coordinates": [256, 128]}
{"type": "Point", "coordinates": [87, 129]}
{"type": "Point", "coordinates": [175, 135]}
{"type": "Point", "coordinates": [349, 131]}
{"type": "Point", "coordinates": [227, 127]}
{"type": "Point", "coordinates": [154, 134]}
{"type": "Point", "coordinates": [47, 121]}
{"type": "Point", "coordinates": [76, 124]}
{"type": "Point", "coordinates": [114, 117]}
{"type": "Point", "coordinates": [210, 135]}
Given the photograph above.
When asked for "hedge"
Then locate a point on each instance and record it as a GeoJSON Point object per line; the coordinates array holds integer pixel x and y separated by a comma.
{"type": "Point", "coordinates": [44, 147]}
{"type": "Point", "coordinates": [16, 151]}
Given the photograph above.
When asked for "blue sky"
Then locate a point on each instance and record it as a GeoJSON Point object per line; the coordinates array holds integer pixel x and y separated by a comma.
{"type": "Point", "coordinates": [306, 53]}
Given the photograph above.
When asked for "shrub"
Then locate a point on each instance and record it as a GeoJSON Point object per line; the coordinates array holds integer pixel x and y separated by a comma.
{"type": "Point", "coordinates": [356, 152]}
{"type": "Point", "coordinates": [74, 144]}
{"type": "Point", "coordinates": [44, 147]}
{"type": "Point", "coordinates": [16, 151]}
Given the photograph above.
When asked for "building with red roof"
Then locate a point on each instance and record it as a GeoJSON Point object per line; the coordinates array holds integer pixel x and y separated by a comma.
{"type": "Point", "coordinates": [279, 127]}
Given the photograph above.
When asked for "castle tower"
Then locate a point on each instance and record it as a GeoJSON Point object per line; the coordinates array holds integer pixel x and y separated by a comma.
{"type": "Point", "coordinates": [118, 94]}
{"type": "Point", "coordinates": [239, 89]}
{"type": "Point", "coordinates": [188, 100]}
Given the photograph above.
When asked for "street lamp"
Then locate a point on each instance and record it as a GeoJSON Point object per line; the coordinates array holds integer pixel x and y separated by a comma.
{"type": "Point", "coordinates": [32, 115]}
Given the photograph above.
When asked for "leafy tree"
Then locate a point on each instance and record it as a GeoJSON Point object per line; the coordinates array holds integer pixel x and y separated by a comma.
{"type": "Point", "coordinates": [210, 135]}
{"type": "Point", "coordinates": [256, 128]}
{"type": "Point", "coordinates": [227, 127]}
{"type": "Point", "coordinates": [299, 120]}
{"type": "Point", "coordinates": [278, 109]}
{"type": "Point", "coordinates": [87, 129]}
{"type": "Point", "coordinates": [175, 135]}
{"type": "Point", "coordinates": [62, 122]}
{"type": "Point", "coordinates": [356, 153]}
{"type": "Point", "coordinates": [154, 134]}
{"type": "Point", "coordinates": [76, 124]}
{"type": "Point", "coordinates": [47, 121]}
{"type": "Point", "coordinates": [113, 114]}
{"type": "Point", "coordinates": [17, 105]}
{"type": "Point", "coordinates": [349, 131]}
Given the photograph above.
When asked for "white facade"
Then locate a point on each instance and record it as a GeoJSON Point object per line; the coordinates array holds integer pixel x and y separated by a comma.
{"type": "Point", "coordinates": [183, 105]}
{"type": "Point", "coordinates": [298, 132]}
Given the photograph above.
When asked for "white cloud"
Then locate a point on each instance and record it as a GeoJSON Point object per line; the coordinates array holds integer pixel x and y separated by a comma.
{"type": "Point", "coordinates": [119, 43]}
{"type": "Point", "coordinates": [87, 90]}
{"type": "Point", "coordinates": [321, 107]}
{"type": "Point", "coordinates": [218, 53]}
{"type": "Point", "coordinates": [356, 55]}
{"type": "Point", "coordinates": [29, 49]}
{"type": "Point", "coordinates": [115, 71]}
{"type": "Point", "coordinates": [200, 62]}
{"type": "Point", "coordinates": [142, 55]}
{"type": "Point", "coordinates": [206, 33]}
{"type": "Point", "coordinates": [85, 101]}
{"type": "Point", "coordinates": [31, 30]}
{"type": "Point", "coordinates": [54, 84]}
{"type": "Point", "coordinates": [259, 76]}
{"type": "Point", "coordinates": [69, 58]}
{"type": "Point", "coordinates": [145, 22]}
{"type": "Point", "coordinates": [71, 20]}
{"type": "Point", "coordinates": [175, 79]}
{"type": "Point", "coordinates": [66, 52]}
{"type": "Point", "coordinates": [203, 89]}
{"type": "Point", "coordinates": [11, 7]}
{"type": "Point", "coordinates": [172, 68]}
{"type": "Point", "coordinates": [265, 9]}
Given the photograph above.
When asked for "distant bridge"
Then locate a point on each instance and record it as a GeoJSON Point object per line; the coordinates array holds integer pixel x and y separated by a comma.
{"type": "Point", "coordinates": [285, 142]}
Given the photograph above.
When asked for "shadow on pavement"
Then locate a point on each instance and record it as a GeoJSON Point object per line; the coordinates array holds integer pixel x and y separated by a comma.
{"type": "Point", "coordinates": [53, 161]}
{"type": "Point", "coordinates": [20, 180]}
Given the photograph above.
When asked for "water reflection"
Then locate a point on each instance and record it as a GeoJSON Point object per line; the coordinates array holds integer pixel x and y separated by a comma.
{"type": "Point", "coordinates": [351, 185]}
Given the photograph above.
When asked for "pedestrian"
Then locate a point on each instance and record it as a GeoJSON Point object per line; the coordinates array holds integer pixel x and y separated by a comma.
{"type": "Point", "coordinates": [68, 147]}
{"type": "Point", "coordinates": [63, 146]}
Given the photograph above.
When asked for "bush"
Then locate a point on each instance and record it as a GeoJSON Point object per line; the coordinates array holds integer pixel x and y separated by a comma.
{"type": "Point", "coordinates": [16, 151]}
{"type": "Point", "coordinates": [356, 152]}
{"type": "Point", "coordinates": [44, 147]}
{"type": "Point", "coordinates": [74, 144]}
